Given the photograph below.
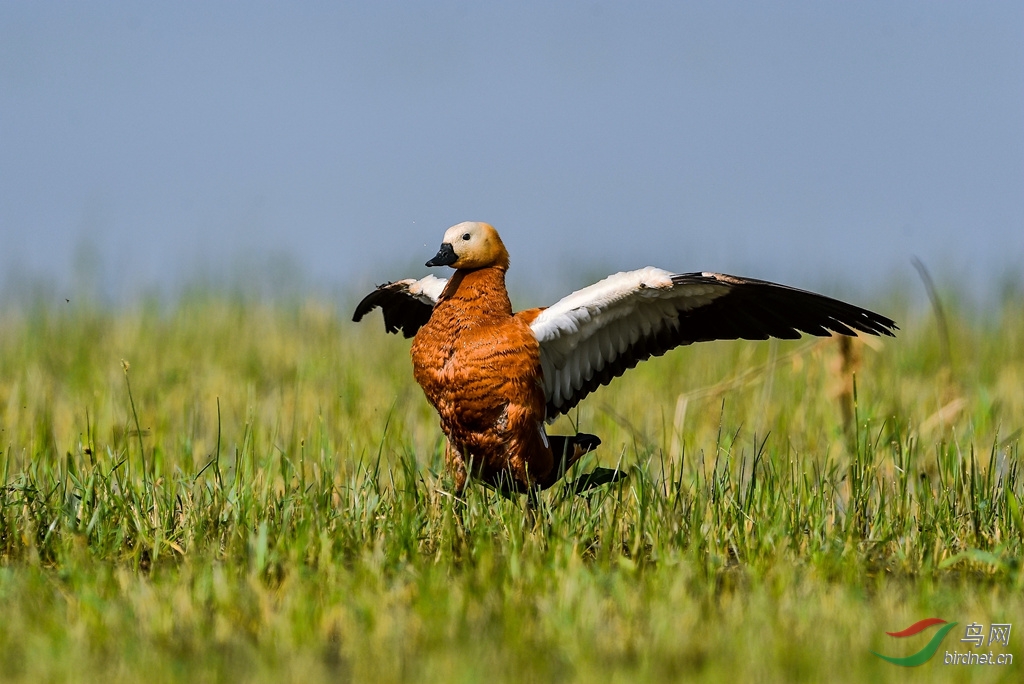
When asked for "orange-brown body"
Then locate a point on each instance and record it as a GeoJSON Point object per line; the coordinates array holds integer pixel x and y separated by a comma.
{"type": "Point", "coordinates": [479, 366]}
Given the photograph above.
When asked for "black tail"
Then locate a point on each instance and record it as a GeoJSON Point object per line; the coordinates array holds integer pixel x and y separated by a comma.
{"type": "Point", "coordinates": [567, 449]}
{"type": "Point", "coordinates": [596, 478]}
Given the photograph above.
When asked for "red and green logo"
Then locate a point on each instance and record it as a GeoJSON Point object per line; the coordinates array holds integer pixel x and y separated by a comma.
{"type": "Point", "coordinates": [926, 653]}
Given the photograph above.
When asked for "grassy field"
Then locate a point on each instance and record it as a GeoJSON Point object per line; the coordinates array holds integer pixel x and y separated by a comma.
{"type": "Point", "coordinates": [218, 490]}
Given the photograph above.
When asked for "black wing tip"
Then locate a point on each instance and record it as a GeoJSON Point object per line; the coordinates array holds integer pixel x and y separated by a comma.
{"type": "Point", "coordinates": [402, 311]}
{"type": "Point", "coordinates": [369, 303]}
{"type": "Point", "coordinates": [868, 322]}
{"type": "Point", "coordinates": [362, 309]}
{"type": "Point", "coordinates": [596, 478]}
{"type": "Point", "coordinates": [842, 315]}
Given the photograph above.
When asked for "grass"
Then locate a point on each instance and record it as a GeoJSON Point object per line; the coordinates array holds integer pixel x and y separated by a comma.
{"type": "Point", "coordinates": [227, 491]}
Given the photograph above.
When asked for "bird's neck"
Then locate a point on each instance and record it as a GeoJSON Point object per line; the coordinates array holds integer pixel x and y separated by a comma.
{"type": "Point", "coordinates": [479, 292]}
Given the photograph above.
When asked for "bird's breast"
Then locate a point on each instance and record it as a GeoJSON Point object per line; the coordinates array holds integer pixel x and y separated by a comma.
{"type": "Point", "coordinates": [476, 368]}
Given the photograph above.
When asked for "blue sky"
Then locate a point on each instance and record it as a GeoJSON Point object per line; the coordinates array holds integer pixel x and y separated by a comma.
{"type": "Point", "coordinates": [819, 144]}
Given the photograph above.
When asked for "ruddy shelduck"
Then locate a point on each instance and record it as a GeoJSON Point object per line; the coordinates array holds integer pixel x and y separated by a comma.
{"type": "Point", "coordinates": [496, 377]}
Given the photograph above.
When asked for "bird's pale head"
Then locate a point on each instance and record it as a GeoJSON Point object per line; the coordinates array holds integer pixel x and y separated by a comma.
{"type": "Point", "coordinates": [471, 245]}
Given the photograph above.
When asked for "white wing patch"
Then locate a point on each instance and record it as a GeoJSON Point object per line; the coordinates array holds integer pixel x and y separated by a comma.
{"type": "Point", "coordinates": [592, 327]}
{"type": "Point", "coordinates": [428, 289]}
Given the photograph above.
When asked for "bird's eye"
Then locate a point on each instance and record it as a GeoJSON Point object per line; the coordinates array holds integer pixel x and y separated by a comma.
{"type": "Point", "coordinates": [466, 236]}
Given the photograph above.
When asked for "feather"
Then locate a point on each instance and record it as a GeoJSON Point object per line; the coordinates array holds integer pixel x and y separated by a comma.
{"type": "Point", "coordinates": [406, 304]}
{"type": "Point", "coordinates": [645, 313]}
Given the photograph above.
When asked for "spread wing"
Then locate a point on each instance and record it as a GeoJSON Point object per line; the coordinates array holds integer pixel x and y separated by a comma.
{"type": "Point", "coordinates": [406, 304]}
{"type": "Point", "coordinates": [598, 333]}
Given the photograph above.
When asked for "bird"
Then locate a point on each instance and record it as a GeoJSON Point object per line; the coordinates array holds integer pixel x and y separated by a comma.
{"type": "Point", "coordinates": [496, 378]}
